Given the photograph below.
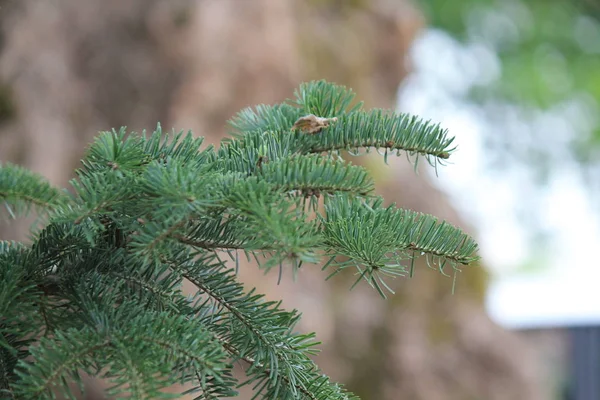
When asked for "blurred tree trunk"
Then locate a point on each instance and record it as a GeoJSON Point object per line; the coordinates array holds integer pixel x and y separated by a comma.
{"type": "Point", "coordinates": [70, 68]}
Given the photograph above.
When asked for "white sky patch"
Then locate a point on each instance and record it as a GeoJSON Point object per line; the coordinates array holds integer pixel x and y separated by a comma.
{"type": "Point", "coordinates": [559, 293]}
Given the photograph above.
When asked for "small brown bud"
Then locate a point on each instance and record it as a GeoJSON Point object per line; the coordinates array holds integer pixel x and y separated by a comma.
{"type": "Point", "coordinates": [311, 124]}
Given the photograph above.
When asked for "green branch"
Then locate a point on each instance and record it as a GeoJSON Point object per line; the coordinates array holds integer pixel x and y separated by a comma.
{"type": "Point", "coordinates": [21, 189]}
{"type": "Point", "coordinates": [382, 129]}
{"type": "Point", "coordinates": [268, 327]}
{"type": "Point", "coordinates": [104, 275]}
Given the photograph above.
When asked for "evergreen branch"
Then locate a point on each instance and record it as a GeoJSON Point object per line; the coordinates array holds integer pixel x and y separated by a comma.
{"type": "Point", "coordinates": [322, 381]}
{"type": "Point", "coordinates": [19, 318]}
{"type": "Point", "coordinates": [154, 239]}
{"type": "Point", "coordinates": [381, 129]}
{"type": "Point", "coordinates": [20, 190]}
{"type": "Point", "coordinates": [266, 371]}
{"type": "Point", "coordinates": [378, 238]}
{"type": "Point", "coordinates": [181, 348]}
{"type": "Point", "coordinates": [321, 98]}
{"type": "Point", "coordinates": [57, 246]}
{"type": "Point", "coordinates": [324, 99]}
{"type": "Point", "coordinates": [186, 351]}
{"type": "Point", "coordinates": [172, 196]}
{"type": "Point", "coordinates": [261, 329]}
{"type": "Point", "coordinates": [113, 151]}
{"type": "Point", "coordinates": [185, 149]}
{"type": "Point", "coordinates": [134, 344]}
{"type": "Point", "coordinates": [99, 198]}
{"type": "Point", "coordinates": [316, 174]}
{"type": "Point", "coordinates": [404, 229]}
{"type": "Point", "coordinates": [207, 245]}
{"type": "Point", "coordinates": [153, 285]}
{"type": "Point", "coordinates": [177, 185]}
{"type": "Point", "coordinates": [159, 238]}
{"type": "Point", "coordinates": [246, 153]}
{"type": "Point", "coordinates": [274, 222]}
{"type": "Point", "coordinates": [10, 246]}
{"type": "Point", "coordinates": [277, 118]}
{"type": "Point", "coordinates": [103, 279]}
{"type": "Point", "coordinates": [216, 231]}
{"type": "Point", "coordinates": [57, 360]}
{"type": "Point", "coordinates": [132, 377]}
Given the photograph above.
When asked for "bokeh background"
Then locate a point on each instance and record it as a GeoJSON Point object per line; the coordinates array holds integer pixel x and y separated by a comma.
{"type": "Point", "coordinates": [517, 82]}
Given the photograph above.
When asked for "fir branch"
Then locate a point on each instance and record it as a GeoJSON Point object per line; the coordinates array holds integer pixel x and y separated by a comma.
{"type": "Point", "coordinates": [245, 153]}
{"type": "Point", "coordinates": [187, 351]}
{"type": "Point", "coordinates": [19, 318]}
{"type": "Point", "coordinates": [256, 365]}
{"type": "Point", "coordinates": [252, 204]}
{"type": "Point", "coordinates": [185, 149]}
{"type": "Point", "coordinates": [115, 151]}
{"type": "Point", "coordinates": [58, 360]}
{"type": "Point", "coordinates": [377, 239]}
{"type": "Point", "coordinates": [261, 329]}
{"type": "Point", "coordinates": [134, 344]}
{"type": "Point", "coordinates": [216, 230]}
{"type": "Point", "coordinates": [276, 118]}
{"type": "Point", "coordinates": [21, 189]}
{"type": "Point", "coordinates": [155, 239]}
{"type": "Point", "coordinates": [274, 222]}
{"type": "Point", "coordinates": [207, 245]}
{"type": "Point", "coordinates": [321, 98]}
{"type": "Point", "coordinates": [103, 279]}
{"type": "Point", "coordinates": [97, 195]}
{"type": "Point", "coordinates": [58, 245]}
{"type": "Point", "coordinates": [317, 174]}
{"type": "Point", "coordinates": [382, 129]}
{"type": "Point", "coordinates": [324, 99]}
{"type": "Point", "coordinates": [153, 285]}
{"type": "Point", "coordinates": [173, 185]}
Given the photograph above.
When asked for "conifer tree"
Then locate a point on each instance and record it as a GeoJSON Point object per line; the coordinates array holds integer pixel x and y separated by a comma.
{"type": "Point", "coordinates": [98, 289]}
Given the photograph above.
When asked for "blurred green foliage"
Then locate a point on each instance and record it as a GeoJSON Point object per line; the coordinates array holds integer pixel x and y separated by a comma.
{"type": "Point", "coordinates": [548, 50]}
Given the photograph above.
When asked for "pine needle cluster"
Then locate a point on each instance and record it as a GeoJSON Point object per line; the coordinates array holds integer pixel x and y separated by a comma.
{"type": "Point", "coordinates": [98, 289]}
